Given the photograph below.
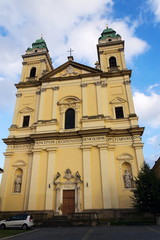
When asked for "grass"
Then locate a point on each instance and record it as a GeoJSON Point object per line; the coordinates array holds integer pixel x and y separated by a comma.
{"type": "Point", "coordinates": [9, 232]}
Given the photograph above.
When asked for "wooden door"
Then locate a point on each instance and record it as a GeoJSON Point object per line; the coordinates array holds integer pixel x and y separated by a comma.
{"type": "Point", "coordinates": [68, 201]}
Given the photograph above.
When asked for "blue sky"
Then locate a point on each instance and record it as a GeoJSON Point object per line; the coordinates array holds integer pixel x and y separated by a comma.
{"type": "Point", "coordinates": [78, 24]}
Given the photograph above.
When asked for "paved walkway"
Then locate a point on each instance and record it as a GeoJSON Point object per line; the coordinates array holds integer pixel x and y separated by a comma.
{"type": "Point", "coordinates": [94, 233]}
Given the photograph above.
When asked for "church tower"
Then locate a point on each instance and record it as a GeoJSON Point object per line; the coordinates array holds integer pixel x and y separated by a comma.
{"type": "Point", "coordinates": [75, 143]}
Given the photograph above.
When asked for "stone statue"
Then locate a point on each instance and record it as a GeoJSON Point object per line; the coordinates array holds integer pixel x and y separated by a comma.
{"type": "Point", "coordinates": [127, 179]}
{"type": "Point", "coordinates": [57, 175]}
{"type": "Point", "coordinates": [18, 183]}
{"type": "Point", "coordinates": [78, 177]}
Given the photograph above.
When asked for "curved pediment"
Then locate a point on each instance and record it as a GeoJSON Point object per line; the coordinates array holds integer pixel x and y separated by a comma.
{"type": "Point", "coordinates": [19, 163]}
{"type": "Point", "coordinates": [69, 100]}
{"type": "Point", "coordinates": [125, 156]}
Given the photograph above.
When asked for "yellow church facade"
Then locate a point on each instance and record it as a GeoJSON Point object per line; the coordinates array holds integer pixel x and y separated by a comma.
{"type": "Point", "coordinates": [74, 144]}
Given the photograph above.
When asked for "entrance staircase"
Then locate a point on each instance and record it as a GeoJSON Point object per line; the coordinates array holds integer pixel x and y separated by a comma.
{"type": "Point", "coordinates": [73, 219]}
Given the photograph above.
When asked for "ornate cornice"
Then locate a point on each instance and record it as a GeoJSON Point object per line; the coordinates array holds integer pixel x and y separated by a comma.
{"type": "Point", "coordinates": [118, 135]}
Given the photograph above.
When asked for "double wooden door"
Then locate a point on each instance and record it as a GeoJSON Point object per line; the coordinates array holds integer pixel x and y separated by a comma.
{"type": "Point", "coordinates": [68, 201]}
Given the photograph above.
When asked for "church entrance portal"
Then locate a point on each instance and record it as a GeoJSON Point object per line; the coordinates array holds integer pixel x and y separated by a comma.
{"type": "Point", "coordinates": [68, 201]}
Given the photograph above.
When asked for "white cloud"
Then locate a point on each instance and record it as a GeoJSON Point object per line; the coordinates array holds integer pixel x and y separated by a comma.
{"type": "Point", "coordinates": [155, 8]}
{"type": "Point", "coordinates": [147, 108]}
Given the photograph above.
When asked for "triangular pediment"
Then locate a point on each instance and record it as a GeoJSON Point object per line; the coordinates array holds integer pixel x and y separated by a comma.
{"type": "Point", "coordinates": [70, 69]}
{"type": "Point", "coordinates": [118, 100]}
{"type": "Point", "coordinates": [26, 110]}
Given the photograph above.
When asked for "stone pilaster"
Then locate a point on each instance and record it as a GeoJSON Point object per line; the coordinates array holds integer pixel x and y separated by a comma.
{"type": "Point", "coordinates": [34, 180]}
{"type": "Point", "coordinates": [55, 99]}
{"type": "Point", "coordinates": [84, 99]}
{"type": "Point", "coordinates": [113, 177]}
{"type": "Point", "coordinates": [28, 180]}
{"type": "Point", "coordinates": [4, 181]}
{"type": "Point", "coordinates": [129, 97]}
{"type": "Point", "coordinates": [37, 105]}
{"type": "Point", "coordinates": [49, 182]}
{"type": "Point", "coordinates": [139, 154]}
{"type": "Point", "coordinates": [87, 177]}
{"type": "Point", "coordinates": [18, 96]}
{"type": "Point", "coordinates": [105, 177]}
{"type": "Point", "coordinates": [42, 102]}
{"type": "Point", "coordinates": [99, 98]}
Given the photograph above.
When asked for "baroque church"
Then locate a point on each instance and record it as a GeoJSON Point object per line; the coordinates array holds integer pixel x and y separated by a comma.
{"type": "Point", "coordinates": [74, 144]}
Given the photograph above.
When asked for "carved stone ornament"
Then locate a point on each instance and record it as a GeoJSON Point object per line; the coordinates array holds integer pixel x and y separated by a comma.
{"type": "Point", "coordinates": [78, 177]}
{"type": "Point", "coordinates": [58, 175]}
{"type": "Point", "coordinates": [68, 174]}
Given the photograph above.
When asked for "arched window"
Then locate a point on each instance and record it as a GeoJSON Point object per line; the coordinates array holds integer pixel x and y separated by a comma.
{"type": "Point", "coordinates": [32, 72]}
{"type": "Point", "coordinates": [70, 118]}
{"type": "Point", "coordinates": [112, 62]}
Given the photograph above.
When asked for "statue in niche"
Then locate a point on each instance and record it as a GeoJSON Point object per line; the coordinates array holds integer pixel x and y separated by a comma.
{"type": "Point", "coordinates": [18, 183]}
{"type": "Point", "coordinates": [78, 177]}
{"type": "Point", "coordinates": [68, 174]}
{"type": "Point", "coordinates": [127, 179]}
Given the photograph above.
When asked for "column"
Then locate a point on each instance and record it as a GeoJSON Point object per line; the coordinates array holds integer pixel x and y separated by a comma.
{"type": "Point", "coordinates": [105, 177]}
{"type": "Point", "coordinates": [41, 107]}
{"type": "Point", "coordinates": [87, 177]}
{"type": "Point", "coordinates": [139, 154]}
{"type": "Point", "coordinates": [49, 182]}
{"type": "Point", "coordinates": [130, 98]}
{"type": "Point", "coordinates": [38, 92]}
{"type": "Point", "coordinates": [99, 98]}
{"type": "Point", "coordinates": [113, 177]}
{"type": "Point", "coordinates": [18, 95]}
{"type": "Point", "coordinates": [4, 183]}
{"type": "Point", "coordinates": [28, 181]}
{"type": "Point", "coordinates": [34, 180]}
{"type": "Point", "coordinates": [55, 99]}
{"type": "Point", "coordinates": [84, 99]}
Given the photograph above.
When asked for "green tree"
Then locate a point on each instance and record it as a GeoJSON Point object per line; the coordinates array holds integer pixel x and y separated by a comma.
{"type": "Point", "coordinates": [146, 193]}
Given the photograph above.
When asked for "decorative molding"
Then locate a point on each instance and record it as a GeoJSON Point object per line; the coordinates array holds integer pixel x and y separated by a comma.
{"type": "Point", "coordinates": [127, 82]}
{"type": "Point", "coordinates": [55, 88]}
{"type": "Point", "coordinates": [26, 110]}
{"type": "Point", "coordinates": [18, 95]}
{"type": "Point", "coordinates": [118, 100]}
{"type": "Point", "coordinates": [103, 84]}
{"type": "Point", "coordinates": [38, 92]}
{"type": "Point", "coordinates": [97, 83]}
{"type": "Point", "coordinates": [43, 89]}
{"type": "Point", "coordinates": [84, 85]}
{"type": "Point", "coordinates": [42, 60]}
{"type": "Point", "coordinates": [125, 157]}
{"type": "Point", "coordinates": [19, 163]}
{"type": "Point", "coordinates": [24, 63]}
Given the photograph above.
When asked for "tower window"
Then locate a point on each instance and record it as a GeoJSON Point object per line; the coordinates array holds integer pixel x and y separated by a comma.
{"type": "Point", "coordinates": [70, 118]}
{"type": "Point", "coordinates": [119, 112]}
{"type": "Point", "coordinates": [26, 121]}
{"type": "Point", "coordinates": [112, 62]}
{"type": "Point", "coordinates": [33, 72]}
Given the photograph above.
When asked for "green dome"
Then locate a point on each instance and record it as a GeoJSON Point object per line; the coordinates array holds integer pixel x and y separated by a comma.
{"type": "Point", "coordinates": [39, 43]}
{"type": "Point", "coordinates": [108, 33]}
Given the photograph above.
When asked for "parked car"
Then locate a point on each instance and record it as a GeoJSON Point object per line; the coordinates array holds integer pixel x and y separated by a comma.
{"type": "Point", "coordinates": [18, 221]}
